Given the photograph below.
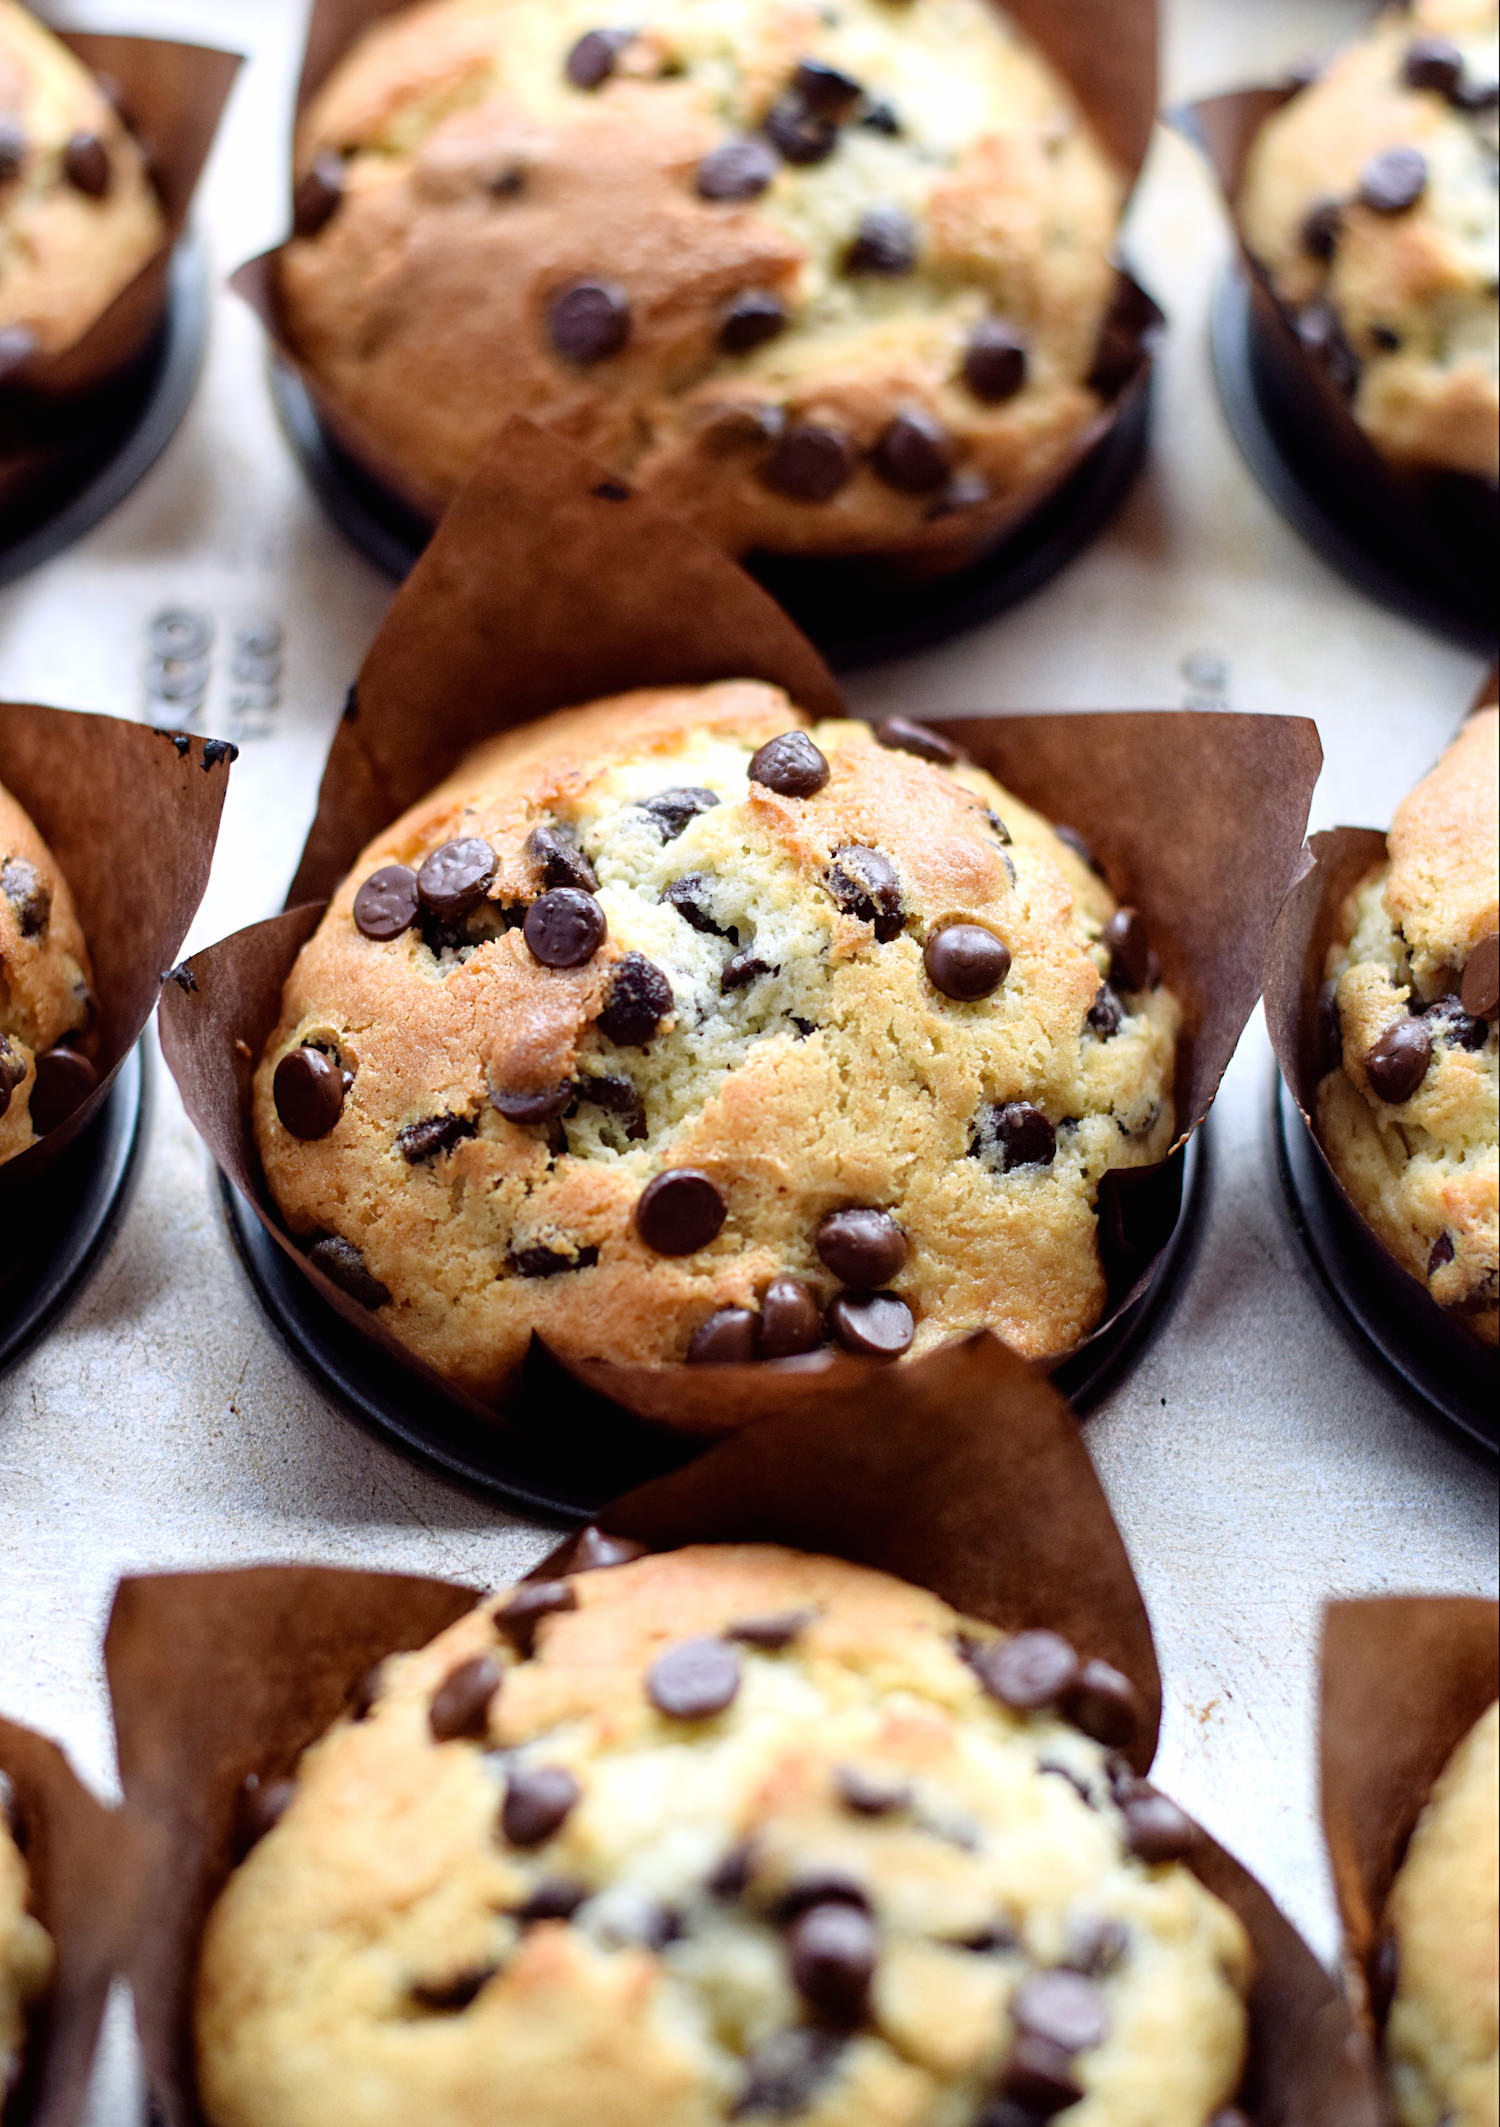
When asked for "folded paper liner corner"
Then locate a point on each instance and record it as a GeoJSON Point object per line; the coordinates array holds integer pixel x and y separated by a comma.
{"type": "Point", "coordinates": [972, 1482]}
{"type": "Point", "coordinates": [131, 815]}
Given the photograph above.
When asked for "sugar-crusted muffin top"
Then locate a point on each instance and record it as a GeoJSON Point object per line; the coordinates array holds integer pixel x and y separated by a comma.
{"type": "Point", "coordinates": [678, 1027]}
{"type": "Point", "coordinates": [814, 278]}
{"type": "Point", "coordinates": [725, 1834]}
{"type": "Point", "coordinates": [1444, 1919]}
{"type": "Point", "coordinates": [78, 214]}
{"type": "Point", "coordinates": [1371, 200]}
{"type": "Point", "coordinates": [46, 1004]}
{"type": "Point", "coordinates": [25, 1951]}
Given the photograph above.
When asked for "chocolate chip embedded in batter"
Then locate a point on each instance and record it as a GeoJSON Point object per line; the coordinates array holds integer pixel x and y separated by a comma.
{"type": "Point", "coordinates": [901, 734]}
{"type": "Point", "coordinates": [1104, 1014]}
{"type": "Point", "coordinates": [694, 1680]}
{"type": "Point", "coordinates": [881, 117]}
{"type": "Point", "coordinates": [28, 894]}
{"type": "Point", "coordinates": [564, 928]}
{"type": "Point", "coordinates": [863, 1247]}
{"type": "Point", "coordinates": [524, 1609]}
{"type": "Point", "coordinates": [1028, 1672]}
{"type": "Point", "coordinates": [638, 1000]}
{"type": "Point", "coordinates": [679, 1212]}
{"type": "Point", "coordinates": [885, 242]}
{"type": "Point", "coordinates": [259, 1807]}
{"type": "Point", "coordinates": [785, 2072]}
{"type": "Point", "coordinates": [86, 165]}
{"type": "Point", "coordinates": [450, 1995]}
{"type": "Point", "coordinates": [1448, 1019]}
{"type": "Point", "coordinates": [1322, 226]}
{"type": "Point", "coordinates": [1104, 1704]}
{"type": "Point", "coordinates": [1132, 963]}
{"type": "Point", "coordinates": [871, 1794]}
{"type": "Point", "coordinates": [791, 1321]}
{"type": "Point", "coordinates": [750, 320]}
{"type": "Point", "coordinates": [872, 1325]}
{"type": "Point", "coordinates": [64, 1080]}
{"type": "Point", "coordinates": [913, 453]}
{"type": "Point", "coordinates": [1433, 63]}
{"type": "Point", "coordinates": [554, 1898]}
{"type": "Point", "coordinates": [588, 321]}
{"type": "Point", "coordinates": [865, 884]}
{"type": "Point", "coordinates": [1397, 1064]}
{"type": "Point", "coordinates": [343, 1265]}
{"type": "Point", "coordinates": [1480, 989]}
{"type": "Point", "coordinates": [1393, 182]}
{"type": "Point", "coordinates": [308, 1089]}
{"type": "Point", "coordinates": [1018, 1133]}
{"type": "Point", "coordinates": [802, 135]}
{"type": "Point", "coordinates": [738, 170]}
{"type": "Point", "coordinates": [833, 1952]}
{"type": "Point", "coordinates": [388, 903]}
{"type": "Point", "coordinates": [965, 962]}
{"type": "Point", "coordinates": [556, 854]}
{"type": "Point", "coordinates": [791, 765]}
{"type": "Point", "coordinates": [771, 1635]}
{"type": "Point", "coordinates": [825, 87]}
{"type": "Point", "coordinates": [617, 1097]}
{"type": "Point", "coordinates": [593, 1551]}
{"type": "Point", "coordinates": [673, 810]}
{"type": "Point", "coordinates": [461, 1704]}
{"type": "Point", "coordinates": [1156, 1830]}
{"type": "Point", "coordinates": [689, 896]}
{"type": "Point", "coordinates": [809, 464]}
{"type": "Point", "coordinates": [456, 877]}
{"type": "Point", "coordinates": [1039, 2077]}
{"type": "Point", "coordinates": [551, 1262]}
{"type": "Point", "coordinates": [12, 1071]}
{"type": "Point", "coordinates": [533, 1104]}
{"type": "Point", "coordinates": [1440, 1254]}
{"type": "Point", "coordinates": [727, 1338]}
{"type": "Point", "coordinates": [743, 969]}
{"type": "Point", "coordinates": [425, 1139]}
{"type": "Point", "coordinates": [1062, 2007]}
{"type": "Point", "coordinates": [319, 195]}
{"type": "Point", "coordinates": [593, 57]}
{"type": "Point", "coordinates": [995, 362]}
{"type": "Point", "coordinates": [539, 1799]}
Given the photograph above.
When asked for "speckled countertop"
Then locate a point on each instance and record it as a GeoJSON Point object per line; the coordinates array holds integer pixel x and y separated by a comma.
{"type": "Point", "coordinates": [1257, 1458]}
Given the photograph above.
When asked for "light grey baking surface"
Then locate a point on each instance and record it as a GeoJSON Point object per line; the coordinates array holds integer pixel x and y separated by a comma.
{"type": "Point", "coordinates": [1257, 1458]}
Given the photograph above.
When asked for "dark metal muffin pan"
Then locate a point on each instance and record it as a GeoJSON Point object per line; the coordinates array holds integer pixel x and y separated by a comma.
{"type": "Point", "coordinates": [855, 612]}
{"type": "Point", "coordinates": [582, 1452]}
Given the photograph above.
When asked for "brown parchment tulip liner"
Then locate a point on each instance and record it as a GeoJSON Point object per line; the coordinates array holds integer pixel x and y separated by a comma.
{"type": "Point", "coordinates": [131, 816]}
{"type": "Point", "coordinates": [82, 1861]}
{"type": "Point", "coordinates": [1404, 1679]}
{"type": "Point", "coordinates": [540, 590]}
{"type": "Point", "coordinates": [974, 1484]}
{"type": "Point", "coordinates": [171, 96]}
{"type": "Point", "coordinates": [1106, 50]}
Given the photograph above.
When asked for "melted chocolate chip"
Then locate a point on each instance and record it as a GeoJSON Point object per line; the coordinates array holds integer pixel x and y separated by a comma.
{"type": "Point", "coordinates": [809, 464]}
{"type": "Point", "coordinates": [679, 1212]}
{"type": "Point", "coordinates": [885, 242]}
{"type": "Point", "coordinates": [1448, 1020]}
{"type": "Point", "coordinates": [556, 854]}
{"type": "Point", "coordinates": [745, 967]}
{"type": "Point", "coordinates": [86, 165]}
{"type": "Point", "coordinates": [802, 135]}
{"type": "Point", "coordinates": [455, 878]}
{"type": "Point", "coordinates": [1440, 1254]}
{"type": "Point", "coordinates": [791, 1321]}
{"type": "Point", "coordinates": [387, 903]}
{"type": "Point", "coordinates": [672, 810]}
{"type": "Point", "coordinates": [1480, 989]}
{"type": "Point", "coordinates": [28, 894]}
{"type": "Point", "coordinates": [259, 1807]}
{"type": "Point", "coordinates": [772, 1635]}
{"type": "Point", "coordinates": [689, 896]}
{"type": "Point", "coordinates": [531, 1104]}
{"type": "Point", "coordinates": [589, 321]}
{"type": "Point", "coordinates": [1132, 964]}
{"type": "Point", "coordinates": [1062, 2007]}
{"type": "Point", "coordinates": [900, 734]}
{"type": "Point", "coordinates": [727, 1338]}
{"type": "Point", "coordinates": [1433, 63]}
{"type": "Point", "coordinates": [461, 1704]}
{"type": "Point", "coordinates": [551, 1262]}
{"type": "Point", "coordinates": [1393, 182]}
{"type": "Point", "coordinates": [865, 884]}
{"type": "Point", "coordinates": [1322, 226]}
{"type": "Point", "coordinates": [833, 1951]}
{"type": "Point", "coordinates": [434, 1134]}
{"type": "Point", "coordinates": [740, 169]}
{"type": "Point", "coordinates": [1104, 1014]}
{"type": "Point", "coordinates": [1397, 1064]}
{"type": "Point", "coordinates": [617, 1097]}
{"type": "Point", "coordinates": [638, 1000]}
{"type": "Point", "coordinates": [873, 1325]}
{"type": "Point", "coordinates": [912, 454]}
{"type": "Point", "coordinates": [694, 1680]}
{"type": "Point", "coordinates": [994, 362]}
{"type": "Point", "coordinates": [539, 1799]}
{"type": "Point", "coordinates": [447, 1996]}
{"type": "Point", "coordinates": [308, 1090]}
{"type": "Point", "coordinates": [1017, 1135]}
{"type": "Point", "coordinates": [1105, 1705]}
{"type": "Point", "coordinates": [524, 1609]}
{"type": "Point", "coordinates": [826, 88]}
{"type": "Point", "coordinates": [785, 2073]}
{"type": "Point", "coordinates": [861, 1246]}
{"type": "Point", "coordinates": [965, 962]}
{"type": "Point", "coordinates": [593, 57]}
{"type": "Point", "coordinates": [1028, 1672]}
{"type": "Point", "coordinates": [343, 1265]}
{"type": "Point", "coordinates": [64, 1080]}
{"type": "Point", "coordinates": [750, 320]}
{"type": "Point", "coordinates": [871, 1794]}
{"type": "Point", "coordinates": [564, 928]}
{"type": "Point", "coordinates": [791, 765]}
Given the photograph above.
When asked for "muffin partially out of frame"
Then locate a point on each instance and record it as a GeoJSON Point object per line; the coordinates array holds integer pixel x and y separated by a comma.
{"type": "Point", "coordinates": [25, 1953]}
{"type": "Point", "coordinates": [1409, 1116]}
{"type": "Point", "coordinates": [675, 1027]}
{"type": "Point", "coordinates": [46, 1002]}
{"type": "Point", "coordinates": [814, 278]}
{"type": "Point", "coordinates": [731, 1833]}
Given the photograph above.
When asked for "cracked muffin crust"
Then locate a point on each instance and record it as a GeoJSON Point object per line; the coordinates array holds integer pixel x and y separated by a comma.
{"type": "Point", "coordinates": [1370, 199]}
{"type": "Point", "coordinates": [1442, 1922]}
{"type": "Point", "coordinates": [722, 1834]}
{"type": "Point", "coordinates": [46, 1004]}
{"type": "Point", "coordinates": [25, 1951]}
{"type": "Point", "coordinates": [812, 277]}
{"type": "Point", "coordinates": [1409, 1118]}
{"type": "Point", "coordinates": [78, 215]}
{"type": "Point", "coordinates": [676, 1027]}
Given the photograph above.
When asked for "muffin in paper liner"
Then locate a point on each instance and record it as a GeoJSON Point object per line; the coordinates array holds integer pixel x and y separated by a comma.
{"type": "Point", "coordinates": [1107, 56]}
{"type": "Point", "coordinates": [971, 1482]}
{"type": "Point", "coordinates": [82, 1863]}
{"type": "Point", "coordinates": [546, 586]}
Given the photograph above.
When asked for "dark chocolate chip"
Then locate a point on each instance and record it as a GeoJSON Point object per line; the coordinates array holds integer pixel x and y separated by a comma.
{"type": "Point", "coordinates": [1393, 181]}
{"type": "Point", "coordinates": [791, 1321]}
{"type": "Point", "coordinates": [786, 2071]}
{"type": "Point", "coordinates": [433, 1134]}
{"type": "Point", "coordinates": [744, 968]}
{"type": "Point", "coordinates": [12, 1071]}
{"type": "Point", "coordinates": [731, 1876]}
{"type": "Point", "coordinates": [1322, 226]}
{"type": "Point", "coordinates": [18, 343]}
{"type": "Point", "coordinates": [802, 135]}
{"type": "Point", "coordinates": [14, 144]}
{"type": "Point", "coordinates": [900, 734]}
{"type": "Point", "coordinates": [871, 1794]}
{"type": "Point", "coordinates": [826, 88]}
{"type": "Point", "coordinates": [1039, 2077]}
{"type": "Point", "coordinates": [343, 1265]}
{"type": "Point", "coordinates": [617, 1097]}
{"type": "Point", "coordinates": [689, 896]}
{"type": "Point", "coordinates": [863, 1247]}
{"type": "Point", "coordinates": [1156, 1830]}
{"type": "Point", "coordinates": [865, 884]}
{"type": "Point", "coordinates": [461, 1704]}
{"type": "Point", "coordinates": [1028, 1672]}
{"type": "Point", "coordinates": [694, 1680]}
{"type": "Point", "coordinates": [86, 165]}
{"type": "Point", "coordinates": [1132, 964]}
{"type": "Point", "coordinates": [881, 117]}
{"type": "Point", "coordinates": [588, 321]}
{"type": "Point", "coordinates": [751, 319]}
{"type": "Point", "coordinates": [833, 1951]}
{"type": "Point", "coordinates": [1018, 1134]}
{"type": "Point", "coordinates": [553, 1898]}
{"type": "Point", "coordinates": [809, 464]}
{"type": "Point", "coordinates": [531, 1104]}
{"type": "Point", "coordinates": [791, 765]}
{"type": "Point", "coordinates": [773, 1635]}
{"type": "Point", "coordinates": [449, 1995]}
{"type": "Point", "coordinates": [873, 1325]}
{"type": "Point", "coordinates": [64, 1080]}
{"type": "Point", "coordinates": [1104, 1014]}
{"type": "Point", "coordinates": [539, 1799]}
{"type": "Point", "coordinates": [518, 1617]}
{"type": "Point", "coordinates": [561, 862]}
{"type": "Point", "coordinates": [593, 57]}
{"type": "Point", "coordinates": [1440, 1254]}
{"type": "Point", "coordinates": [387, 903]}
{"type": "Point", "coordinates": [595, 1552]}
{"type": "Point", "coordinates": [638, 1000]}
{"type": "Point", "coordinates": [1433, 63]}
{"type": "Point", "coordinates": [965, 962]}
{"type": "Point", "coordinates": [1479, 992]}
{"type": "Point", "coordinates": [1322, 334]}
{"type": "Point", "coordinates": [1384, 1976]}
{"type": "Point", "coordinates": [308, 1089]}
{"type": "Point", "coordinates": [1105, 1705]}
{"type": "Point", "coordinates": [994, 362]}
{"type": "Point", "coordinates": [1397, 1064]}
{"type": "Point", "coordinates": [912, 454]}
{"type": "Point", "coordinates": [820, 1886]}
{"type": "Point", "coordinates": [29, 895]}
{"type": "Point", "coordinates": [319, 194]}
{"type": "Point", "coordinates": [740, 169]}
{"type": "Point", "coordinates": [551, 1262]}
{"type": "Point", "coordinates": [672, 810]}
{"type": "Point", "coordinates": [259, 1807]}
{"type": "Point", "coordinates": [1385, 338]}
{"type": "Point", "coordinates": [1447, 1017]}
{"type": "Point", "coordinates": [885, 242]}
{"type": "Point", "coordinates": [564, 927]}
{"type": "Point", "coordinates": [726, 1339]}
{"type": "Point", "coordinates": [679, 1212]}
{"type": "Point", "coordinates": [1062, 2007]}
{"type": "Point", "coordinates": [455, 878]}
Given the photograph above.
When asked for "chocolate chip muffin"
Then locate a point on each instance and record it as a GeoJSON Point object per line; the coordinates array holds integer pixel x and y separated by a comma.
{"type": "Point", "coordinates": [1408, 1117]}
{"type": "Point", "coordinates": [724, 1834]}
{"type": "Point", "coordinates": [78, 215]}
{"type": "Point", "coordinates": [674, 1027]}
{"type": "Point", "coordinates": [25, 1951]}
{"type": "Point", "coordinates": [1443, 1919]}
{"type": "Point", "coordinates": [46, 1004]}
{"type": "Point", "coordinates": [814, 278]}
{"type": "Point", "coordinates": [1370, 200]}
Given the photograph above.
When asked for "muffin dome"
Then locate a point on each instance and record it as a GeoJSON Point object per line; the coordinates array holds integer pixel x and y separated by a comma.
{"type": "Point", "coordinates": [727, 1834]}
{"type": "Point", "coordinates": [25, 1952]}
{"type": "Point", "coordinates": [46, 1006]}
{"type": "Point", "coordinates": [78, 216]}
{"type": "Point", "coordinates": [1370, 199]}
{"type": "Point", "coordinates": [813, 278]}
{"type": "Point", "coordinates": [1410, 1119]}
{"type": "Point", "coordinates": [675, 1027]}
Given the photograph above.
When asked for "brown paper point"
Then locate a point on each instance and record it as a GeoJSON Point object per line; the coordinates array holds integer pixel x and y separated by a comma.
{"type": "Point", "coordinates": [131, 816]}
